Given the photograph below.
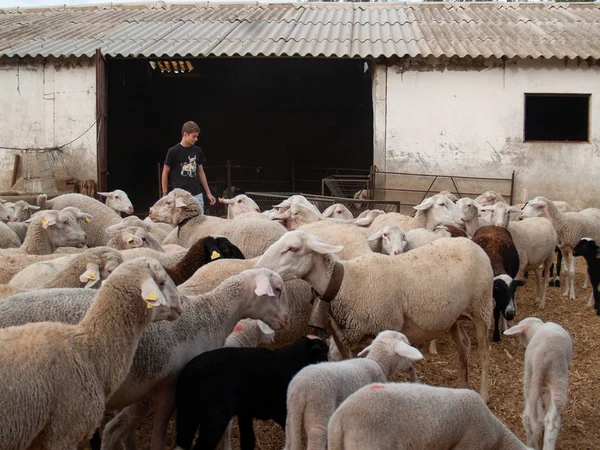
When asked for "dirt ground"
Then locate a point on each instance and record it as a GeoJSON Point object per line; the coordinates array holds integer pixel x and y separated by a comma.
{"type": "Point", "coordinates": [579, 419]}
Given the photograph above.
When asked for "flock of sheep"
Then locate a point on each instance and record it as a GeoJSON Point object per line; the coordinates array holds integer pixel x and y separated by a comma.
{"type": "Point", "coordinates": [208, 317]}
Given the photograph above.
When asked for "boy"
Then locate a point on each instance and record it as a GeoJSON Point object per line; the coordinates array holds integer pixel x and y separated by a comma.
{"type": "Point", "coordinates": [186, 160]}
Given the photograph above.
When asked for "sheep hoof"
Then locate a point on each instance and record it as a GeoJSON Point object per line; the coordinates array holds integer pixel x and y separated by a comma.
{"type": "Point", "coordinates": [496, 338]}
{"type": "Point", "coordinates": [557, 283]}
{"type": "Point", "coordinates": [551, 284]}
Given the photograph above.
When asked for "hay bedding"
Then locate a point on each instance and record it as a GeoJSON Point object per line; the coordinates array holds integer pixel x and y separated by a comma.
{"type": "Point", "coordinates": [579, 419]}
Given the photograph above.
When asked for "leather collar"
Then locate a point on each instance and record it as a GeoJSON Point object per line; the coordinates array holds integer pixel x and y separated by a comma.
{"type": "Point", "coordinates": [334, 283]}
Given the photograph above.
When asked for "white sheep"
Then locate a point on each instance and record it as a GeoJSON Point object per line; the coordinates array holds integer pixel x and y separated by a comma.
{"type": "Point", "coordinates": [56, 378]}
{"type": "Point", "coordinates": [407, 416]}
{"type": "Point", "coordinates": [240, 204]}
{"type": "Point", "coordinates": [118, 201]}
{"type": "Point", "coordinates": [103, 215]}
{"type": "Point", "coordinates": [8, 238]}
{"type": "Point", "coordinates": [348, 236]}
{"type": "Point", "coordinates": [449, 194]}
{"type": "Point", "coordinates": [133, 237]}
{"type": "Point", "coordinates": [548, 351]}
{"type": "Point", "coordinates": [20, 229]}
{"type": "Point", "coordinates": [299, 214]}
{"type": "Point", "coordinates": [380, 292]}
{"type": "Point", "coordinates": [338, 211]}
{"type": "Point", "coordinates": [179, 207]}
{"type": "Point", "coordinates": [22, 211]}
{"type": "Point", "coordinates": [470, 209]}
{"type": "Point", "coordinates": [317, 390]}
{"type": "Point", "coordinates": [489, 198]}
{"type": "Point", "coordinates": [570, 228]}
{"type": "Point", "coordinates": [389, 240]}
{"type": "Point", "coordinates": [164, 348]}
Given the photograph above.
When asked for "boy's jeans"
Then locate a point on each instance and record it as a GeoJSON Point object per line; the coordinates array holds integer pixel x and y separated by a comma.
{"type": "Point", "coordinates": [201, 201]}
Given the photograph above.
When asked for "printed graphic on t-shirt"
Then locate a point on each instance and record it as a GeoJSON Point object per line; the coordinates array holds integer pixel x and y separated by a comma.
{"type": "Point", "coordinates": [188, 169]}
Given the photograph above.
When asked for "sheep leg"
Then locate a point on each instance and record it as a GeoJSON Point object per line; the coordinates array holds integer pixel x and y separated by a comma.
{"type": "Point", "coordinates": [433, 347]}
{"type": "Point", "coordinates": [212, 429]}
{"type": "Point", "coordinates": [316, 432]}
{"type": "Point", "coordinates": [558, 398]}
{"type": "Point", "coordinates": [225, 443]}
{"type": "Point", "coordinates": [587, 281]}
{"type": "Point", "coordinates": [531, 421]}
{"type": "Point", "coordinates": [591, 300]}
{"type": "Point", "coordinates": [247, 438]}
{"type": "Point", "coordinates": [596, 297]}
{"type": "Point", "coordinates": [559, 258]}
{"type": "Point", "coordinates": [538, 287]}
{"type": "Point", "coordinates": [496, 335]}
{"type": "Point", "coordinates": [462, 343]}
{"type": "Point", "coordinates": [186, 425]}
{"type": "Point", "coordinates": [544, 283]}
{"type": "Point", "coordinates": [483, 346]}
{"type": "Point", "coordinates": [124, 424]}
{"type": "Point", "coordinates": [164, 407]}
{"type": "Point", "coordinates": [552, 275]}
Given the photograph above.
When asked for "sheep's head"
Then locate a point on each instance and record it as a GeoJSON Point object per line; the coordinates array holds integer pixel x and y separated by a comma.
{"type": "Point", "coordinates": [396, 345]}
{"type": "Point", "coordinates": [469, 207]}
{"type": "Point", "coordinates": [440, 210]}
{"type": "Point", "coordinates": [133, 237]}
{"type": "Point", "coordinates": [587, 248]}
{"type": "Point", "coordinates": [538, 207]}
{"type": "Point", "coordinates": [449, 194]}
{"type": "Point", "coordinates": [390, 240]}
{"type": "Point", "coordinates": [292, 254]}
{"type": "Point", "coordinates": [525, 329]}
{"type": "Point", "coordinates": [489, 198]}
{"type": "Point", "coordinates": [265, 297]}
{"type": "Point", "coordinates": [118, 200]}
{"type": "Point", "coordinates": [61, 227]}
{"type": "Point", "coordinates": [298, 215]}
{"type": "Point", "coordinates": [238, 205]}
{"type": "Point", "coordinates": [266, 334]}
{"type": "Point", "coordinates": [500, 213]}
{"type": "Point", "coordinates": [175, 207]}
{"type": "Point", "coordinates": [22, 211]}
{"type": "Point", "coordinates": [4, 213]}
{"type": "Point", "coordinates": [217, 247]}
{"type": "Point", "coordinates": [338, 211]}
{"type": "Point", "coordinates": [129, 221]}
{"type": "Point", "coordinates": [106, 261]}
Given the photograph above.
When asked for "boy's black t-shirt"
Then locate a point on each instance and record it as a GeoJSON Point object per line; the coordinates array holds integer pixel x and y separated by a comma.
{"type": "Point", "coordinates": [184, 162]}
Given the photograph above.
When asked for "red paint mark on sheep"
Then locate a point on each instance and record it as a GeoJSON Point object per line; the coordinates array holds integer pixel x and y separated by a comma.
{"type": "Point", "coordinates": [238, 328]}
{"type": "Point", "coordinates": [376, 386]}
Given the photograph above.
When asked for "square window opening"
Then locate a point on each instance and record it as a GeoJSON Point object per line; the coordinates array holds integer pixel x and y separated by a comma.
{"type": "Point", "coordinates": [556, 117]}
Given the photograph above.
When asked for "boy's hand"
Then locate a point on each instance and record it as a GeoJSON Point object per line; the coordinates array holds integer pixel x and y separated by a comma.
{"type": "Point", "coordinates": [211, 199]}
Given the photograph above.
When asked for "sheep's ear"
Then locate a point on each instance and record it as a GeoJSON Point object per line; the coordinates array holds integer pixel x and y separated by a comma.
{"type": "Point", "coordinates": [106, 194]}
{"type": "Point", "coordinates": [425, 204]}
{"type": "Point", "coordinates": [486, 208]}
{"type": "Point", "coordinates": [226, 201]}
{"type": "Point", "coordinates": [265, 329]}
{"type": "Point", "coordinates": [477, 205]}
{"type": "Point", "coordinates": [513, 209]}
{"type": "Point", "coordinates": [517, 329]}
{"type": "Point", "coordinates": [407, 351]}
{"type": "Point", "coordinates": [48, 222]}
{"type": "Point", "coordinates": [114, 228]}
{"type": "Point", "coordinates": [375, 236]}
{"type": "Point", "coordinates": [328, 212]}
{"type": "Point", "coordinates": [180, 203]}
{"type": "Point", "coordinates": [35, 208]}
{"type": "Point", "coordinates": [365, 350]}
{"type": "Point", "coordinates": [152, 294]}
{"type": "Point", "coordinates": [282, 216]}
{"type": "Point", "coordinates": [284, 204]}
{"type": "Point", "coordinates": [91, 275]}
{"type": "Point", "coordinates": [132, 240]}
{"type": "Point", "coordinates": [321, 247]}
{"type": "Point", "coordinates": [263, 286]}
{"type": "Point", "coordinates": [364, 221]}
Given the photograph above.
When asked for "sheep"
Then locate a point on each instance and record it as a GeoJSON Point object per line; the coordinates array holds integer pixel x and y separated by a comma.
{"type": "Point", "coordinates": [403, 416]}
{"type": "Point", "coordinates": [5, 214]}
{"type": "Point", "coordinates": [390, 240]}
{"type": "Point", "coordinates": [570, 228]}
{"type": "Point", "coordinates": [103, 215]}
{"type": "Point", "coordinates": [118, 201]}
{"type": "Point", "coordinates": [179, 207]}
{"type": "Point", "coordinates": [245, 382]}
{"type": "Point", "coordinates": [133, 237]}
{"type": "Point", "coordinates": [159, 230]}
{"type": "Point", "coordinates": [20, 229]}
{"type": "Point", "coordinates": [164, 348]}
{"type": "Point", "coordinates": [449, 194]}
{"type": "Point", "coordinates": [8, 238]}
{"type": "Point", "coordinates": [349, 236]}
{"type": "Point", "coordinates": [380, 292]}
{"type": "Point", "coordinates": [589, 249]}
{"type": "Point", "coordinates": [300, 214]}
{"type": "Point", "coordinates": [470, 209]}
{"type": "Point", "coordinates": [498, 244]}
{"type": "Point", "coordinates": [22, 211]}
{"type": "Point", "coordinates": [338, 211]}
{"type": "Point", "coordinates": [548, 351]}
{"type": "Point", "coordinates": [91, 267]}
{"type": "Point", "coordinates": [54, 392]}
{"type": "Point", "coordinates": [239, 204]}
{"type": "Point", "coordinates": [317, 390]}
{"type": "Point", "coordinates": [295, 200]}
{"type": "Point", "coordinates": [489, 198]}
{"type": "Point", "coordinates": [535, 239]}
{"type": "Point", "coordinates": [298, 291]}
{"type": "Point", "coordinates": [431, 212]}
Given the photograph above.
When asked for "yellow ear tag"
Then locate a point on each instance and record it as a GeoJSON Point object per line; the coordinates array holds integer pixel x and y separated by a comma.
{"type": "Point", "coordinates": [87, 220]}
{"type": "Point", "coordinates": [151, 296]}
{"type": "Point", "coordinates": [44, 222]}
{"type": "Point", "coordinates": [130, 239]}
{"type": "Point", "coordinates": [149, 306]}
{"type": "Point", "coordinates": [90, 276]}
{"type": "Point", "coordinates": [215, 254]}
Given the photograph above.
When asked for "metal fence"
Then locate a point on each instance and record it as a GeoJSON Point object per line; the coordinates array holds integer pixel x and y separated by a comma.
{"type": "Point", "coordinates": [266, 200]}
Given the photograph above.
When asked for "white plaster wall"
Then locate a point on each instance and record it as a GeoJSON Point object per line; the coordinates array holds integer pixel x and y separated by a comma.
{"type": "Point", "coordinates": [471, 123]}
{"type": "Point", "coordinates": [47, 103]}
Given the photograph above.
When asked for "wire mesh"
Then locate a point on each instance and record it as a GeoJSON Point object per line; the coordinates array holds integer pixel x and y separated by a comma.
{"type": "Point", "coordinates": [43, 171]}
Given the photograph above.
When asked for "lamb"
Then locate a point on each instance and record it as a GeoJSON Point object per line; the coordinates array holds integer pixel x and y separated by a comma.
{"type": "Point", "coordinates": [418, 237]}
{"type": "Point", "coordinates": [158, 230]}
{"type": "Point", "coordinates": [299, 295]}
{"type": "Point", "coordinates": [338, 211]}
{"type": "Point", "coordinates": [133, 237]}
{"type": "Point", "coordinates": [380, 292]}
{"type": "Point", "coordinates": [548, 351]}
{"type": "Point", "coordinates": [470, 209]}
{"type": "Point", "coordinates": [348, 236]}
{"type": "Point", "coordinates": [317, 390]}
{"type": "Point", "coordinates": [570, 228]}
{"type": "Point", "coordinates": [245, 382]}
{"type": "Point", "coordinates": [164, 348]}
{"type": "Point", "coordinates": [588, 248]}
{"type": "Point", "coordinates": [118, 201]}
{"type": "Point", "coordinates": [252, 236]}
{"type": "Point", "coordinates": [90, 267]}
{"type": "Point", "coordinates": [390, 240]}
{"type": "Point", "coordinates": [22, 211]}
{"type": "Point", "coordinates": [56, 389]}
{"type": "Point", "coordinates": [535, 240]}
{"type": "Point", "coordinates": [8, 238]}
{"type": "Point", "coordinates": [295, 200]}
{"type": "Point", "coordinates": [498, 244]}
{"type": "Point", "coordinates": [103, 215]}
{"type": "Point", "coordinates": [239, 204]}
{"type": "Point", "coordinates": [431, 212]}
{"type": "Point", "coordinates": [403, 416]}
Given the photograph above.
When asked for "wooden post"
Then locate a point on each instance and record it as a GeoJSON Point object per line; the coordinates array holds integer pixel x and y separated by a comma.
{"type": "Point", "coordinates": [15, 173]}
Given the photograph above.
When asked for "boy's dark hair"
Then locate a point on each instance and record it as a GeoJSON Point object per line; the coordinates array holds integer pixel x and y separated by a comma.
{"type": "Point", "coordinates": [190, 127]}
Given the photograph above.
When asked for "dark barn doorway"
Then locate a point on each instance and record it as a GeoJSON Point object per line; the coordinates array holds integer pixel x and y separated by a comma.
{"type": "Point", "coordinates": [265, 115]}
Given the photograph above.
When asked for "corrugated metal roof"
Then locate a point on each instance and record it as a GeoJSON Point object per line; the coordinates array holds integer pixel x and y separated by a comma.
{"type": "Point", "coordinates": [305, 29]}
